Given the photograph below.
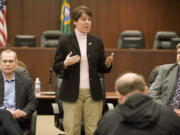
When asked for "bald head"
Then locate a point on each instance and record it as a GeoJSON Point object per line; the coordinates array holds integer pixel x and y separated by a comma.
{"type": "Point", "coordinates": [130, 82]}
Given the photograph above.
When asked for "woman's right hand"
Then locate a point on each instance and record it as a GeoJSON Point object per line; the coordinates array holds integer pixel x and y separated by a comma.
{"type": "Point", "coordinates": [71, 60]}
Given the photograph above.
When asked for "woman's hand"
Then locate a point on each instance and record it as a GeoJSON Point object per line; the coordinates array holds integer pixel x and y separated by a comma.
{"type": "Point", "coordinates": [71, 60]}
{"type": "Point", "coordinates": [109, 60]}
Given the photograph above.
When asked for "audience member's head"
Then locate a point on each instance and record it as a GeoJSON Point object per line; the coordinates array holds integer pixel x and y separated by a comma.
{"type": "Point", "coordinates": [8, 61]}
{"type": "Point", "coordinates": [21, 64]}
{"type": "Point", "coordinates": [129, 84]}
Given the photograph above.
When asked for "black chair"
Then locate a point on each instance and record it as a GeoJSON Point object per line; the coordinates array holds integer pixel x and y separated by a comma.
{"type": "Point", "coordinates": [22, 71]}
{"type": "Point", "coordinates": [32, 129]}
{"type": "Point", "coordinates": [174, 42]}
{"type": "Point", "coordinates": [25, 41]}
{"type": "Point", "coordinates": [131, 39]}
{"type": "Point", "coordinates": [50, 38]}
{"type": "Point", "coordinates": [153, 75]}
{"type": "Point", "coordinates": [164, 39]}
{"type": "Point", "coordinates": [58, 109]}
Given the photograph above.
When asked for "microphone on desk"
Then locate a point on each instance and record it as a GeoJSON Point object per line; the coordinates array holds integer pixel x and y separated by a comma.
{"type": "Point", "coordinates": [50, 75]}
{"type": "Point", "coordinates": [50, 78]}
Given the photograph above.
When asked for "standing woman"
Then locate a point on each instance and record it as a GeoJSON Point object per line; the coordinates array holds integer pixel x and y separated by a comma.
{"type": "Point", "coordinates": [79, 59]}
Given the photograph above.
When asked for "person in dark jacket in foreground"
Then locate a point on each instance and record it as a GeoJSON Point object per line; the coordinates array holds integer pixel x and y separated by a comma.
{"type": "Point", "coordinates": [137, 114]}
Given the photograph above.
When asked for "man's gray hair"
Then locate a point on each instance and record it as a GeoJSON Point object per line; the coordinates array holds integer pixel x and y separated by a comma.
{"type": "Point", "coordinates": [130, 82]}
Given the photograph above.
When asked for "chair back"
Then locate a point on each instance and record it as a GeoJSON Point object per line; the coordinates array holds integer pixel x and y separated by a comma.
{"type": "Point", "coordinates": [25, 41]}
{"type": "Point", "coordinates": [174, 42]}
{"type": "Point", "coordinates": [153, 75]}
{"type": "Point", "coordinates": [32, 130]}
{"type": "Point", "coordinates": [131, 39]}
{"type": "Point", "coordinates": [22, 71]}
{"type": "Point", "coordinates": [163, 40]}
{"type": "Point", "coordinates": [50, 38]}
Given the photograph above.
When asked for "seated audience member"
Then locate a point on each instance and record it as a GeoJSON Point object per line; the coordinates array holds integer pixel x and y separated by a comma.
{"type": "Point", "coordinates": [22, 68]}
{"type": "Point", "coordinates": [21, 64]}
{"type": "Point", "coordinates": [166, 88]}
{"type": "Point", "coordinates": [136, 113]}
{"type": "Point", "coordinates": [17, 99]}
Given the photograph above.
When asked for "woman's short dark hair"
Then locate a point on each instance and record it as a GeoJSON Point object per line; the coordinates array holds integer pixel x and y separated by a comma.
{"type": "Point", "coordinates": [77, 12]}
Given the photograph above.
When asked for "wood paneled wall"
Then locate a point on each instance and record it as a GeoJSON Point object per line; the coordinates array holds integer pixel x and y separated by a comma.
{"type": "Point", "coordinates": [140, 61]}
{"type": "Point", "coordinates": [40, 60]}
{"type": "Point", "coordinates": [110, 17]}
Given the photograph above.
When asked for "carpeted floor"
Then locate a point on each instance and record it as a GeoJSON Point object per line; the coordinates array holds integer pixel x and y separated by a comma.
{"type": "Point", "coordinates": [45, 125]}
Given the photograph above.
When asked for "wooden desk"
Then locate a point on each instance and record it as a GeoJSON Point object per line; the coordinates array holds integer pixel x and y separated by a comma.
{"type": "Point", "coordinates": [109, 95]}
{"type": "Point", "coordinates": [42, 96]}
{"type": "Point", "coordinates": [44, 104]}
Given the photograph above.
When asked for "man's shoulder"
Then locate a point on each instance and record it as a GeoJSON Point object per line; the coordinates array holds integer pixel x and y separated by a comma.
{"type": "Point", "coordinates": [113, 115]}
{"type": "Point", "coordinates": [22, 77]}
{"type": "Point", "coordinates": [167, 67]}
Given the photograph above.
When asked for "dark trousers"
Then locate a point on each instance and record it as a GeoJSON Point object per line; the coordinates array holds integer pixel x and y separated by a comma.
{"type": "Point", "coordinates": [8, 125]}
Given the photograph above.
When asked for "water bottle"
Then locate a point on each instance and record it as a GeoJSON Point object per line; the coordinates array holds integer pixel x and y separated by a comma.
{"type": "Point", "coordinates": [37, 86]}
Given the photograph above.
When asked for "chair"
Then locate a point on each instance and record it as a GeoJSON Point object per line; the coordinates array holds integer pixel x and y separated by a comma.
{"type": "Point", "coordinates": [131, 39]}
{"type": "Point", "coordinates": [174, 42]}
{"type": "Point", "coordinates": [25, 41]}
{"type": "Point", "coordinates": [22, 68]}
{"type": "Point", "coordinates": [50, 38]}
{"type": "Point", "coordinates": [163, 39]}
{"type": "Point", "coordinates": [153, 75]}
{"type": "Point", "coordinates": [58, 109]}
{"type": "Point", "coordinates": [32, 130]}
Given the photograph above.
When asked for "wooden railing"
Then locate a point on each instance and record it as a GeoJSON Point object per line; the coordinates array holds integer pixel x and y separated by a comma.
{"type": "Point", "coordinates": [40, 60]}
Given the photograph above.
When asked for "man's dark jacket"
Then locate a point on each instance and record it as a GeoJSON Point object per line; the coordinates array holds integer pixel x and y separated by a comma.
{"type": "Point", "coordinates": [139, 115]}
{"type": "Point", "coordinates": [25, 98]}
